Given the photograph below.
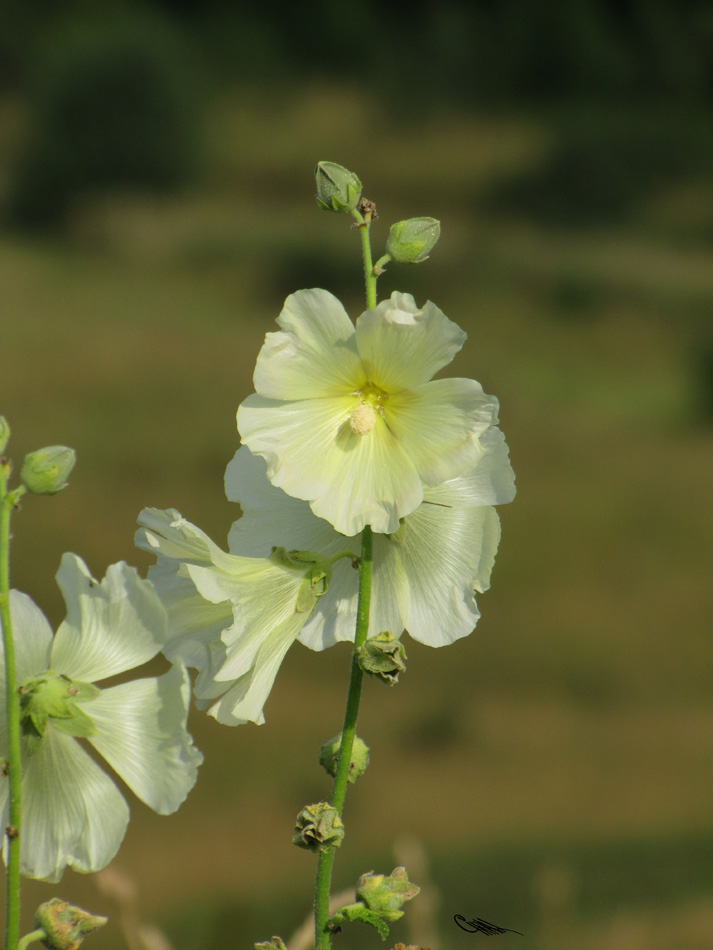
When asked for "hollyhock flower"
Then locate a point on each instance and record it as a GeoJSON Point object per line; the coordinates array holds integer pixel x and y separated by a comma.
{"type": "Point", "coordinates": [233, 618]}
{"type": "Point", "coordinates": [349, 419]}
{"type": "Point", "coordinates": [73, 813]}
{"type": "Point", "coordinates": [425, 575]}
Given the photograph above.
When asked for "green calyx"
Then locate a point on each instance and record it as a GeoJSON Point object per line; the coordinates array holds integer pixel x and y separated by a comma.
{"type": "Point", "coordinates": [65, 926]}
{"type": "Point", "coordinates": [45, 472]}
{"type": "Point", "coordinates": [384, 656]}
{"type": "Point", "coordinates": [329, 755]}
{"type": "Point", "coordinates": [317, 575]}
{"type": "Point", "coordinates": [411, 241]}
{"type": "Point", "coordinates": [318, 828]}
{"type": "Point", "coordinates": [386, 894]}
{"type": "Point", "coordinates": [338, 189]}
{"type": "Point", "coordinates": [53, 698]}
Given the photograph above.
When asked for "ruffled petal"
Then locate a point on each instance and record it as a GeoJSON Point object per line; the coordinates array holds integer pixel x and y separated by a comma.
{"type": "Point", "coordinates": [446, 553]}
{"type": "Point", "coordinates": [402, 346]}
{"type": "Point", "coordinates": [73, 813]}
{"type": "Point", "coordinates": [110, 627]}
{"type": "Point", "coordinates": [492, 481]}
{"type": "Point", "coordinates": [314, 354]}
{"type": "Point", "coordinates": [439, 425]}
{"type": "Point", "coordinates": [142, 735]}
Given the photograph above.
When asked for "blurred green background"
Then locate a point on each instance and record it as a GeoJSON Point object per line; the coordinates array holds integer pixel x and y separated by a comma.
{"type": "Point", "coordinates": [552, 772]}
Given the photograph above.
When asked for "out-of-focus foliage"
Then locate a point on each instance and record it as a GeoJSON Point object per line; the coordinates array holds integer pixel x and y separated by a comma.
{"type": "Point", "coordinates": [112, 102]}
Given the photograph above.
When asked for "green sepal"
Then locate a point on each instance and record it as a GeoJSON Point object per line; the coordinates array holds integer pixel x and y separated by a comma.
{"type": "Point", "coordinates": [329, 756]}
{"type": "Point", "coordinates": [45, 472]}
{"type": "Point", "coordinates": [411, 241]}
{"type": "Point", "coordinates": [318, 828]}
{"type": "Point", "coordinates": [358, 912]}
{"type": "Point", "coordinates": [318, 573]}
{"type": "Point", "coordinates": [398, 536]}
{"type": "Point", "coordinates": [384, 656]}
{"type": "Point", "coordinates": [53, 697]}
{"type": "Point", "coordinates": [338, 189]}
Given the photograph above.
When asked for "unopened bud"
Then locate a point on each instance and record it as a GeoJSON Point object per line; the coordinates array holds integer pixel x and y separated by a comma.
{"type": "Point", "coordinates": [385, 895]}
{"type": "Point", "coordinates": [4, 433]}
{"type": "Point", "coordinates": [329, 754]}
{"type": "Point", "coordinates": [45, 472]}
{"type": "Point", "coordinates": [411, 241]}
{"type": "Point", "coordinates": [338, 189]}
{"type": "Point", "coordinates": [383, 656]}
{"type": "Point", "coordinates": [318, 828]}
{"type": "Point", "coordinates": [65, 926]}
{"type": "Point", "coordinates": [277, 943]}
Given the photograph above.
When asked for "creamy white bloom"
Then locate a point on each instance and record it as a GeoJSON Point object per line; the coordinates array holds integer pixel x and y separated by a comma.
{"type": "Point", "coordinates": [349, 419]}
{"type": "Point", "coordinates": [232, 618]}
{"type": "Point", "coordinates": [425, 575]}
{"type": "Point", "coordinates": [73, 813]}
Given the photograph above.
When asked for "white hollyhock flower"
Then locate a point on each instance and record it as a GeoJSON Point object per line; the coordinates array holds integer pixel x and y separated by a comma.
{"type": "Point", "coordinates": [232, 618]}
{"type": "Point", "coordinates": [73, 813]}
{"type": "Point", "coordinates": [349, 419]}
{"type": "Point", "coordinates": [425, 575]}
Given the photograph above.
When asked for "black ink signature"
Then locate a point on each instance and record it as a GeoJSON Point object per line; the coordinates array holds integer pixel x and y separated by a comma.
{"type": "Point", "coordinates": [481, 926]}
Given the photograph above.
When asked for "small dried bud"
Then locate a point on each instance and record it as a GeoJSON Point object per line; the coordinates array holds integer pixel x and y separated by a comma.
{"type": "Point", "coordinates": [411, 241]}
{"type": "Point", "coordinates": [45, 471]}
{"type": "Point", "coordinates": [383, 656]}
{"type": "Point", "coordinates": [318, 828]}
{"type": "Point", "coordinates": [385, 895]}
{"type": "Point", "coordinates": [329, 754]}
{"type": "Point", "coordinates": [276, 943]}
{"type": "Point", "coordinates": [65, 926]}
{"type": "Point", "coordinates": [338, 189]}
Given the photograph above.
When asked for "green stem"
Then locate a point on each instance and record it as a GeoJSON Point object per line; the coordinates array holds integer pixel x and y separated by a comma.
{"type": "Point", "coordinates": [326, 858]}
{"type": "Point", "coordinates": [31, 938]}
{"type": "Point", "coordinates": [369, 273]}
{"type": "Point", "coordinates": [12, 700]}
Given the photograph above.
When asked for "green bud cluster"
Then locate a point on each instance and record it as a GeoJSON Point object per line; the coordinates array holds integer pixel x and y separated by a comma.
{"type": "Point", "coordinates": [329, 755]}
{"type": "Point", "coordinates": [384, 656]}
{"type": "Point", "coordinates": [45, 472]}
{"type": "Point", "coordinates": [65, 926]}
{"type": "Point", "coordinates": [318, 828]}
{"type": "Point", "coordinates": [338, 189]}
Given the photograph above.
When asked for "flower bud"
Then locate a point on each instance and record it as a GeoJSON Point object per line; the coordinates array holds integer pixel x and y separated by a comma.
{"type": "Point", "coordinates": [277, 943]}
{"type": "Point", "coordinates": [385, 895]}
{"type": "Point", "coordinates": [45, 471]}
{"type": "Point", "coordinates": [383, 656]}
{"type": "Point", "coordinates": [318, 828]}
{"type": "Point", "coordinates": [338, 189]}
{"type": "Point", "coordinates": [65, 926]}
{"type": "Point", "coordinates": [329, 753]}
{"type": "Point", "coordinates": [4, 433]}
{"type": "Point", "coordinates": [411, 241]}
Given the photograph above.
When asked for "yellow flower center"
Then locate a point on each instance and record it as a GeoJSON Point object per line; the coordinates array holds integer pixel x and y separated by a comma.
{"type": "Point", "coordinates": [363, 417]}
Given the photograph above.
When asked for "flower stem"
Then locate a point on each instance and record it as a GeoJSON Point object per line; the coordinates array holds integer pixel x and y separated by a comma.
{"type": "Point", "coordinates": [326, 858]}
{"type": "Point", "coordinates": [370, 274]}
{"type": "Point", "coordinates": [31, 938]}
{"type": "Point", "coordinates": [12, 700]}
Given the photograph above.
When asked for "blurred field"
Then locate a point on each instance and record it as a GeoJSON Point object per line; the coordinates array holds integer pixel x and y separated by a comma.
{"type": "Point", "coordinates": [556, 765]}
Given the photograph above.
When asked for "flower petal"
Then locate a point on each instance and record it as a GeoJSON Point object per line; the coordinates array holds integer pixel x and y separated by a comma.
{"type": "Point", "coordinates": [110, 627]}
{"type": "Point", "coordinates": [446, 553]}
{"type": "Point", "coordinates": [73, 813]}
{"type": "Point", "coordinates": [314, 354]}
{"type": "Point", "coordinates": [492, 481]}
{"type": "Point", "coordinates": [349, 479]}
{"type": "Point", "coordinates": [402, 346]}
{"type": "Point", "coordinates": [439, 423]}
{"type": "Point", "coordinates": [142, 735]}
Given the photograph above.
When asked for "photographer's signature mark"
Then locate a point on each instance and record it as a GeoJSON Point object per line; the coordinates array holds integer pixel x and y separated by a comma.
{"type": "Point", "coordinates": [479, 926]}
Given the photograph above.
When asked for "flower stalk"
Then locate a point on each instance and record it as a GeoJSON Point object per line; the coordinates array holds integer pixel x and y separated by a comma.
{"type": "Point", "coordinates": [13, 766]}
{"type": "Point", "coordinates": [339, 790]}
